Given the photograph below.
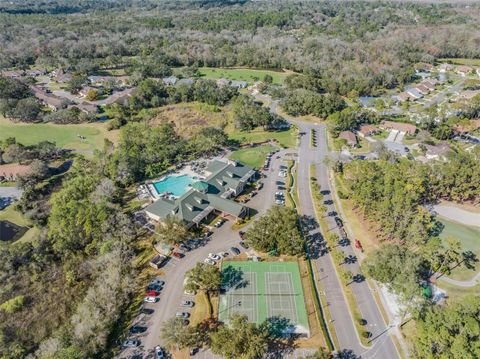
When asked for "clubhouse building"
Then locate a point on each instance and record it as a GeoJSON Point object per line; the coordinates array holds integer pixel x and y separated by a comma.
{"type": "Point", "coordinates": [213, 195]}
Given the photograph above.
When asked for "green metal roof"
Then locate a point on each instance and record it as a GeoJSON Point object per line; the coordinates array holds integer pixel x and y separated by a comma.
{"type": "Point", "coordinates": [200, 186]}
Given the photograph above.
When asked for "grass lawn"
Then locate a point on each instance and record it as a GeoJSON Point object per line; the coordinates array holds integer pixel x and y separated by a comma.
{"type": "Point", "coordinates": [252, 156]}
{"type": "Point", "coordinates": [460, 61]}
{"type": "Point", "coordinates": [469, 236]}
{"type": "Point", "coordinates": [286, 138]}
{"type": "Point", "coordinates": [242, 74]}
{"type": "Point", "coordinates": [10, 214]}
{"type": "Point", "coordinates": [65, 136]}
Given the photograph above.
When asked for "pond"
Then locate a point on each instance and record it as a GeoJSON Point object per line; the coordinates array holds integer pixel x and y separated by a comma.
{"type": "Point", "coordinates": [10, 232]}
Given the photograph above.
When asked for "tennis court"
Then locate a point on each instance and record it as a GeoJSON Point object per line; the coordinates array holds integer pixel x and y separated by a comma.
{"type": "Point", "coordinates": [262, 290]}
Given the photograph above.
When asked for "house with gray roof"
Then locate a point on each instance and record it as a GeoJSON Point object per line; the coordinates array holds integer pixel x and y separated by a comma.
{"type": "Point", "coordinates": [214, 194]}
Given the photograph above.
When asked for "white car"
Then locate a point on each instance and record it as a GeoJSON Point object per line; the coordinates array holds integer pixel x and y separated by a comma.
{"type": "Point", "coordinates": [214, 256]}
{"type": "Point", "coordinates": [151, 299]}
{"type": "Point", "coordinates": [209, 261]}
{"type": "Point", "coordinates": [222, 254]}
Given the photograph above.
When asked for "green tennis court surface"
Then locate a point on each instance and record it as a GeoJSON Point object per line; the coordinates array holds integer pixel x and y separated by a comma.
{"type": "Point", "coordinates": [262, 290]}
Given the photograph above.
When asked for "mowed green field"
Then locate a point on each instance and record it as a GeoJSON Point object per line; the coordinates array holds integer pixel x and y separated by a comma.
{"type": "Point", "coordinates": [461, 61]}
{"type": "Point", "coordinates": [65, 136]}
{"type": "Point", "coordinates": [241, 74]}
{"type": "Point", "coordinates": [252, 156]}
{"type": "Point", "coordinates": [284, 138]}
{"type": "Point", "coordinates": [469, 236]}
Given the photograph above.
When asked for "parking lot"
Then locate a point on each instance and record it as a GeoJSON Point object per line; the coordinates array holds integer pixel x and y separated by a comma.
{"type": "Point", "coordinates": [172, 293]}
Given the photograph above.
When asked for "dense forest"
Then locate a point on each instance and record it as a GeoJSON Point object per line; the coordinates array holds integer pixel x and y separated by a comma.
{"type": "Point", "coordinates": [345, 46]}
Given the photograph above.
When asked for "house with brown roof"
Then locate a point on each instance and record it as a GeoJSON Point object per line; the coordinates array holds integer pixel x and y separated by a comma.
{"type": "Point", "coordinates": [399, 126]}
{"type": "Point", "coordinates": [367, 130]}
{"type": "Point", "coordinates": [11, 171]}
{"type": "Point", "coordinates": [350, 137]}
{"type": "Point", "coordinates": [464, 128]}
{"type": "Point", "coordinates": [405, 96]}
{"type": "Point", "coordinates": [445, 68]}
{"type": "Point", "coordinates": [437, 152]}
{"type": "Point", "coordinates": [469, 94]}
{"type": "Point", "coordinates": [424, 90]}
{"type": "Point", "coordinates": [464, 70]}
{"type": "Point", "coordinates": [87, 107]}
{"type": "Point", "coordinates": [55, 103]}
{"type": "Point", "coordinates": [430, 84]}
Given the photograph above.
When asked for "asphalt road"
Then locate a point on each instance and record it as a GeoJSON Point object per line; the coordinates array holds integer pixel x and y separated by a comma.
{"type": "Point", "coordinates": [382, 346]}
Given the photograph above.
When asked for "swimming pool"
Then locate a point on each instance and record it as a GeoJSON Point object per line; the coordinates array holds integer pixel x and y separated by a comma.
{"type": "Point", "coordinates": [176, 185]}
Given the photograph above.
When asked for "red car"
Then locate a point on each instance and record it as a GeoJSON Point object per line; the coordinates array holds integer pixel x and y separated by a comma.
{"type": "Point", "coordinates": [358, 245]}
{"type": "Point", "coordinates": [151, 293]}
{"type": "Point", "coordinates": [178, 255]}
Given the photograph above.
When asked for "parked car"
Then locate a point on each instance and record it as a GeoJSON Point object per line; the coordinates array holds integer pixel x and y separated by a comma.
{"type": "Point", "coordinates": [155, 287]}
{"type": "Point", "coordinates": [209, 261]}
{"type": "Point", "coordinates": [187, 303]}
{"type": "Point", "coordinates": [241, 234]}
{"type": "Point", "coordinates": [137, 329]}
{"type": "Point", "coordinates": [214, 256]}
{"type": "Point", "coordinates": [235, 250]}
{"type": "Point", "coordinates": [184, 247]}
{"type": "Point", "coordinates": [151, 293]}
{"type": "Point", "coordinates": [186, 322]}
{"type": "Point", "coordinates": [178, 255]}
{"type": "Point", "coordinates": [158, 281]}
{"type": "Point", "coordinates": [151, 299]}
{"type": "Point", "coordinates": [222, 254]}
{"type": "Point", "coordinates": [244, 245]}
{"type": "Point", "coordinates": [189, 292]}
{"type": "Point", "coordinates": [159, 352]}
{"type": "Point", "coordinates": [131, 343]}
{"type": "Point", "coordinates": [147, 311]}
{"type": "Point", "coordinates": [182, 314]}
{"type": "Point", "coordinates": [193, 351]}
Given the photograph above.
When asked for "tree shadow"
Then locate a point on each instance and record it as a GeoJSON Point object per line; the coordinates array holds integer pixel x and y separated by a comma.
{"type": "Point", "coordinates": [469, 259]}
{"type": "Point", "coordinates": [233, 278]}
{"type": "Point", "coordinates": [346, 354]}
{"type": "Point", "coordinates": [437, 228]}
{"type": "Point", "coordinates": [281, 335]}
{"type": "Point", "coordinates": [316, 245]}
{"type": "Point", "coordinates": [309, 223]}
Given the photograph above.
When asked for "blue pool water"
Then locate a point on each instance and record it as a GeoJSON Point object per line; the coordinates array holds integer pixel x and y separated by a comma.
{"type": "Point", "coordinates": [176, 185]}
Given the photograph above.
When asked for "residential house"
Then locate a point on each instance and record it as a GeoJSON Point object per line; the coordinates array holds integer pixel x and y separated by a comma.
{"type": "Point", "coordinates": [445, 68]}
{"type": "Point", "coordinates": [350, 137]}
{"type": "Point", "coordinates": [424, 90]}
{"type": "Point", "coordinates": [239, 84]}
{"type": "Point", "coordinates": [367, 130]}
{"type": "Point", "coordinates": [85, 90]}
{"type": "Point", "coordinates": [212, 195]}
{"type": "Point", "coordinates": [12, 74]}
{"type": "Point", "coordinates": [414, 93]}
{"type": "Point", "coordinates": [87, 107]}
{"type": "Point", "coordinates": [469, 94]}
{"type": "Point", "coordinates": [11, 171]}
{"type": "Point", "coordinates": [121, 97]}
{"type": "Point", "coordinates": [437, 152]}
{"type": "Point", "coordinates": [187, 82]}
{"type": "Point", "coordinates": [399, 126]}
{"type": "Point", "coordinates": [60, 76]}
{"type": "Point", "coordinates": [404, 96]}
{"type": "Point", "coordinates": [223, 82]}
{"type": "Point", "coordinates": [462, 129]}
{"type": "Point", "coordinates": [464, 70]}
{"type": "Point", "coordinates": [170, 80]}
{"type": "Point", "coordinates": [35, 73]}
{"type": "Point", "coordinates": [430, 84]}
{"type": "Point", "coordinates": [53, 102]}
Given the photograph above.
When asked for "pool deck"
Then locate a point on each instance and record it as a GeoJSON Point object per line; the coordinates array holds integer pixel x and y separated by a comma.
{"type": "Point", "coordinates": [185, 171]}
